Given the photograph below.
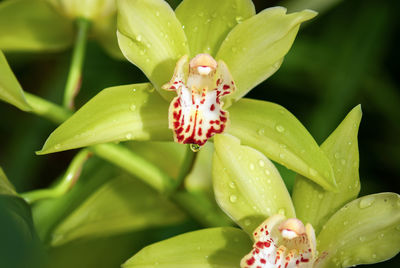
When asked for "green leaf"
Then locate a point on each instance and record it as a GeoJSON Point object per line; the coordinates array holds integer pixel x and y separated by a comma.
{"type": "Point", "coordinates": [10, 89]}
{"type": "Point", "coordinates": [247, 185]}
{"type": "Point", "coordinates": [315, 205]}
{"type": "Point", "coordinates": [254, 49]}
{"type": "Point", "coordinates": [6, 187]}
{"type": "Point", "coordinates": [32, 25]}
{"type": "Point", "coordinates": [217, 247]}
{"type": "Point", "coordinates": [367, 230]}
{"type": "Point", "coordinates": [130, 112]}
{"type": "Point", "coordinates": [274, 131]}
{"type": "Point", "coordinates": [151, 37]}
{"type": "Point", "coordinates": [19, 243]}
{"type": "Point", "coordinates": [105, 32]}
{"type": "Point", "coordinates": [208, 22]}
{"type": "Point", "coordinates": [121, 205]}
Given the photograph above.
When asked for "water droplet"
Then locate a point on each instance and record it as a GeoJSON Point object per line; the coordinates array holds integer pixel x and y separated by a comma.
{"type": "Point", "coordinates": [128, 136]}
{"type": "Point", "coordinates": [281, 211]}
{"type": "Point", "coordinates": [195, 147]}
{"type": "Point", "coordinates": [346, 263]}
{"type": "Point", "coordinates": [281, 111]}
{"type": "Point", "coordinates": [381, 236]}
{"type": "Point", "coordinates": [133, 107]}
{"type": "Point", "coordinates": [232, 185]}
{"type": "Point", "coordinates": [207, 21]}
{"type": "Point", "coordinates": [233, 198]}
{"type": "Point", "coordinates": [349, 143]}
{"type": "Point", "coordinates": [251, 166]}
{"type": "Point", "coordinates": [239, 19]}
{"type": "Point", "coordinates": [157, 13]}
{"type": "Point", "coordinates": [366, 201]}
{"type": "Point", "coordinates": [260, 131]}
{"type": "Point", "coordinates": [282, 156]}
{"type": "Point", "coordinates": [280, 128]}
{"type": "Point", "coordinates": [147, 60]}
{"type": "Point", "coordinates": [320, 196]}
{"type": "Point", "coordinates": [345, 222]}
{"type": "Point", "coordinates": [282, 146]}
{"type": "Point", "coordinates": [134, 90]}
{"type": "Point", "coordinates": [269, 181]}
{"type": "Point", "coordinates": [313, 172]}
{"type": "Point", "coordinates": [247, 222]}
{"type": "Point", "coordinates": [261, 163]}
{"type": "Point", "coordinates": [139, 38]}
{"type": "Point", "coordinates": [142, 52]}
{"type": "Point", "coordinates": [57, 146]}
{"type": "Point", "coordinates": [374, 256]}
{"type": "Point", "coordinates": [337, 155]}
{"type": "Point", "coordinates": [361, 238]}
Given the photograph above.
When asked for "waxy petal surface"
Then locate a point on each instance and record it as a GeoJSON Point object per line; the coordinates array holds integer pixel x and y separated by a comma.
{"type": "Point", "coordinates": [367, 230]}
{"type": "Point", "coordinates": [207, 248]}
{"type": "Point", "coordinates": [207, 22]}
{"type": "Point", "coordinates": [315, 205]}
{"type": "Point", "coordinates": [255, 48]}
{"type": "Point", "coordinates": [274, 131]}
{"type": "Point", "coordinates": [130, 112]}
{"type": "Point", "coordinates": [151, 37]}
{"type": "Point", "coordinates": [247, 185]}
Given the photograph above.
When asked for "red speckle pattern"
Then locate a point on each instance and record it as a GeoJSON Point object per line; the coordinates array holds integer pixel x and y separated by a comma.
{"type": "Point", "coordinates": [196, 114]}
{"type": "Point", "coordinates": [275, 251]}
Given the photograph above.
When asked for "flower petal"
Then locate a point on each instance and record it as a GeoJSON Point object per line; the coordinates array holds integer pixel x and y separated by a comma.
{"type": "Point", "coordinates": [315, 205]}
{"type": "Point", "coordinates": [214, 247]}
{"type": "Point", "coordinates": [247, 185]}
{"type": "Point", "coordinates": [367, 230]}
{"type": "Point", "coordinates": [196, 114]}
{"type": "Point", "coordinates": [208, 22]}
{"type": "Point", "coordinates": [123, 204]}
{"type": "Point", "coordinates": [271, 129]}
{"type": "Point", "coordinates": [10, 89]}
{"type": "Point", "coordinates": [130, 112]}
{"type": "Point", "coordinates": [254, 49]}
{"type": "Point", "coordinates": [151, 37]}
{"type": "Point", "coordinates": [27, 25]}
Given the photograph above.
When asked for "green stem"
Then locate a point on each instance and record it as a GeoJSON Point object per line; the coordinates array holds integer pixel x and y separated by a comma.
{"type": "Point", "coordinates": [186, 168]}
{"type": "Point", "coordinates": [135, 165]}
{"type": "Point", "coordinates": [47, 109]}
{"type": "Point", "coordinates": [75, 71]}
{"type": "Point", "coordinates": [64, 185]}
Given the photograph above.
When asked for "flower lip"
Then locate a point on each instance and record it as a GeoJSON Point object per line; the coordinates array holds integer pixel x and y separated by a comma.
{"type": "Point", "coordinates": [203, 64]}
{"type": "Point", "coordinates": [292, 228]}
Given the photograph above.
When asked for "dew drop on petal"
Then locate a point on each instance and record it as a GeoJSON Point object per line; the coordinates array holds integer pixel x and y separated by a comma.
{"type": "Point", "coordinates": [366, 201]}
{"type": "Point", "coordinates": [128, 136]}
{"type": "Point", "coordinates": [232, 185]}
{"type": "Point", "coordinates": [280, 128]}
{"type": "Point", "coordinates": [251, 166]}
{"type": "Point", "coordinates": [261, 163]}
{"type": "Point", "coordinates": [195, 147]}
{"type": "Point", "coordinates": [233, 198]}
{"type": "Point", "coordinates": [133, 107]}
{"type": "Point", "coordinates": [313, 172]}
{"type": "Point", "coordinates": [260, 131]}
{"type": "Point", "coordinates": [57, 146]}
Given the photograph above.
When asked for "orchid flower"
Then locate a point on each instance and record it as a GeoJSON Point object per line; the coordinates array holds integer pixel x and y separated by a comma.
{"type": "Point", "coordinates": [340, 230]}
{"type": "Point", "coordinates": [201, 60]}
{"type": "Point", "coordinates": [47, 25]}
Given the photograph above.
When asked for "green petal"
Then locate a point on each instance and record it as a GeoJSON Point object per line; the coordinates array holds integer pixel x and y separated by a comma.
{"type": "Point", "coordinates": [315, 205]}
{"type": "Point", "coordinates": [217, 247]}
{"type": "Point", "coordinates": [271, 129]}
{"type": "Point", "coordinates": [151, 37]}
{"type": "Point", "coordinates": [131, 112]}
{"type": "Point", "coordinates": [367, 230]}
{"type": "Point", "coordinates": [10, 89]}
{"type": "Point", "coordinates": [121, 205]}
{"type": "Point", "coordinates": [208, 22]}
{"type": "Point", "coordinates": [200, 177]}
{"type": "Point", "coordinates": [105, 32]}
{"type": "Point", "coordinates": [6, 188]}
{"type": "Point", "coordinates": [254, 49]}
{"type": "Point", "coordinates": [32, 25]}
{"type": "Point", "coordinates": [247, 185]}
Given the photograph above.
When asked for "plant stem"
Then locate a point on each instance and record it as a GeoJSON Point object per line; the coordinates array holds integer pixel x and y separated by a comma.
{"type": "Point", "coordinates": [64, 185]}
{"type": "Point", "coordinates": [186, 167]}
{"type": "Point", "coordinates": [75, 71]}
{"type": "Point", "coordinates": [47, 109]}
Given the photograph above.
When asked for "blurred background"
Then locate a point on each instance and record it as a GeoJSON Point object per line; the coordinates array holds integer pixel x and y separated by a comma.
{"type": "Point", "coordinates": [347, 55]}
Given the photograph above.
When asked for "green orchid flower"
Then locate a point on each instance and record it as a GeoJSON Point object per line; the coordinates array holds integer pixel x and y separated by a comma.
{"type": "Point", "coordinates": [48, 25]}
{"type": "Point", "coordinates": [341, 231]}
{"type": "Point", "coordinates": [202, 51]}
